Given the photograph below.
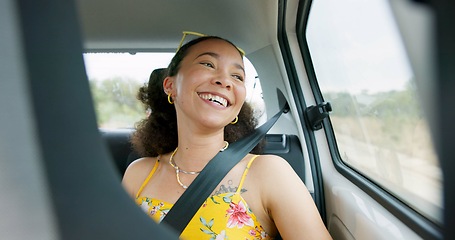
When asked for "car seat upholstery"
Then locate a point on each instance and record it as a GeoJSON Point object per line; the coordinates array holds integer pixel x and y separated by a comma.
{"type": "Point", "coordinates": [119, 145]}
{"type": "Point", "coordinates": [283, 145]}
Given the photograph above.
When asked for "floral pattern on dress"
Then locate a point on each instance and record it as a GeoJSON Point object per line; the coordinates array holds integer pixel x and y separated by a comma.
{"type": "Point", "coordinates": [223, 216]}
{"type": "Point", "coordinates": [154, 208]}
{"type": "Point", "coordinates": [207, 229]}
{"type": "Point", "coordinates": [238, 216]}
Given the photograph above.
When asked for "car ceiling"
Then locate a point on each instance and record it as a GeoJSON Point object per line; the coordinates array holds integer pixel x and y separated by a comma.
{"type": "Point", "coordinates": [145, 25]}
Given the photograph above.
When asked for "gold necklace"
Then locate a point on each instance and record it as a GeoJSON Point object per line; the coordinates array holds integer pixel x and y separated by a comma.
{"type": "Point", "coordinates": [178, 170]}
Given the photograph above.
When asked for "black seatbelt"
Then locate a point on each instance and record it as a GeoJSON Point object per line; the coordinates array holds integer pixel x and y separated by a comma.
{"type": "Point", "coordinates": [200, 189]}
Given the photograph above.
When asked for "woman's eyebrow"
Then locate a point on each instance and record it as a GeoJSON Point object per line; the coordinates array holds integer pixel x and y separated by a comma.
{"type": "Point", "coordinates": [240, 67]}
{"type": "Point", "coordinates": [212, 54]}
{"type": "Point", "coordinates": [217, 56]}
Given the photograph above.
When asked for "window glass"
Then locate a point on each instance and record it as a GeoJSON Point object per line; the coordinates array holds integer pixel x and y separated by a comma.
{"type": "Point", "coordinates": [363, 71]}
{"type": "Point", "coordinates": [115, 79]}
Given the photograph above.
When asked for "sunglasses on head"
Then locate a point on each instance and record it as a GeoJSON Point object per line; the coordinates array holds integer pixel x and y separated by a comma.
{"type": "Point", "coordinates": [185, 33]}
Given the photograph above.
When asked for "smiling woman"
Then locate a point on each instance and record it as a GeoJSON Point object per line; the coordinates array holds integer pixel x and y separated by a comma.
{"type": "Point", "coordinates": [182, 135]}
{"type": "Point", "coordinates": [116, 77]}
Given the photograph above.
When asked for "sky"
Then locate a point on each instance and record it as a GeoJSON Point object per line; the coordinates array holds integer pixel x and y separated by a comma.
{"type": "Point", "coordinates": [356, 49]}
{"type": "Point", "coordinates": [100, 66]}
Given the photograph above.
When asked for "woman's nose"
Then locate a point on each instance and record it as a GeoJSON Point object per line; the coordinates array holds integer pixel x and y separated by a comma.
{"type": "Point", "coordinates": [223, 80]}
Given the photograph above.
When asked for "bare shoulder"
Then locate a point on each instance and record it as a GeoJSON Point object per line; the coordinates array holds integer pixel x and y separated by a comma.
{"type": "Point", "coordinates": [275, 176]}
{"type": "Point", "coordinates": [136, 173]}
{"type": "Point", "coordinates": [272, 164]}
{"type": "Point", "coordinates": [274, 173]}
{"type": "Point", "coordinates": [282, 189]}
{"type": "Point", "coordinates": [140, 165]}
{"type": "Point", "coordinates": [142, 162]}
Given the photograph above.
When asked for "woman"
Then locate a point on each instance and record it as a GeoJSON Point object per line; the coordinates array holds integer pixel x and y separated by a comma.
{"type": "Point", "coordinates": [259, 197]}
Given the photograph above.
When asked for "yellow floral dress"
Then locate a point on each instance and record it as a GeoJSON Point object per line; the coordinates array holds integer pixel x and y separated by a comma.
{"type": "Point", "coordinates": [222, 216]}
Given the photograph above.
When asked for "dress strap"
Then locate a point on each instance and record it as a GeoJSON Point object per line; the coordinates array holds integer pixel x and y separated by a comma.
{"type": "Point", "coordinates": [148, 177]}
{"type": "Point", "coordinates": [245, 173]}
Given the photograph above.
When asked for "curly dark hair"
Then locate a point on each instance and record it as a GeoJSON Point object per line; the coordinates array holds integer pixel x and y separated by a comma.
{"type": "Point", "coordinates": [157, 134]}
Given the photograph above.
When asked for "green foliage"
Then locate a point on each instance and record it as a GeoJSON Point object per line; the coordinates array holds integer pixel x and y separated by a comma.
{"type": "Point", "coordinates": [342, 103]}
{"type": "Point", "coordinates": [116, 104]}
{"type": "Point", "coordinates": [401, 105]}
{"type": "Point", "coordinates": [391, 120]}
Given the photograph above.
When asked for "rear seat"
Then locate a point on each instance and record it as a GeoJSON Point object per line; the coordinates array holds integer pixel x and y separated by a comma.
{"type": "Point", "coordinates": [286, 146]}
{"type": "Point", "coordinates": [118, 142]}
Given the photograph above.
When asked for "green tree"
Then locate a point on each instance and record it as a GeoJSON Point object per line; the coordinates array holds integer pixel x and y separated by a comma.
{"type": "Point", "coordinates": [116, 104]}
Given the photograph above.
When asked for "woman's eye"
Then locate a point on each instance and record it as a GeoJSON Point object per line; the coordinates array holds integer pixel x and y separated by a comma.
{"type": "Point", "coordinates": [238, 77]}
{"type": "Point", "coordinates": [207, 64]}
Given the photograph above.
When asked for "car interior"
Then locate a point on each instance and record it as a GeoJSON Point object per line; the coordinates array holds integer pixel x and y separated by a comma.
{"type": "Point", "coordinates": [61, 172]}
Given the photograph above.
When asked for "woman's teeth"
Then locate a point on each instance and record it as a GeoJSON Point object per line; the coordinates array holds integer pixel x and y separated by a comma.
{"type": "Point", "coordinates": [214, 98]}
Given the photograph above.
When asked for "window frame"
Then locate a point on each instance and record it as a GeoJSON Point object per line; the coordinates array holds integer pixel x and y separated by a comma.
{"type": "Point", "coordinates": [299, 100]}
{"type": "Point", "coordinates": [417, 222]}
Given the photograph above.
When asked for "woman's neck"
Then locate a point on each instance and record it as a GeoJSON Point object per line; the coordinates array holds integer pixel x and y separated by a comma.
{"type": "Point", "coordinates": [195, 151]}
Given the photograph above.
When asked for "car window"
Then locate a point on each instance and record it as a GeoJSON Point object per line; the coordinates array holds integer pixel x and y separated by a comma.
{"type": "Point", "coordinates": [116, 77]}
{"type": "Point", "coordinates": [363, 71]}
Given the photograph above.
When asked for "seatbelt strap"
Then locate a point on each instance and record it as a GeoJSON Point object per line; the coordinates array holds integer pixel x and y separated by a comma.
{"type": "Point", "coordinates": [216, 169]}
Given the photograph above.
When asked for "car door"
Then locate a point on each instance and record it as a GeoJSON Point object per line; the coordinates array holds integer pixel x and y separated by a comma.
{"type": "Point", "coordinates": [374, 161]}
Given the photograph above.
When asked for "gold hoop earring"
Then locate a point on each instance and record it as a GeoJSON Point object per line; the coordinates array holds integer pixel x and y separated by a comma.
{"type": "Point", "coordinates": [169, 99]}
{"type": "Point", "coordinates": [235, 120]}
